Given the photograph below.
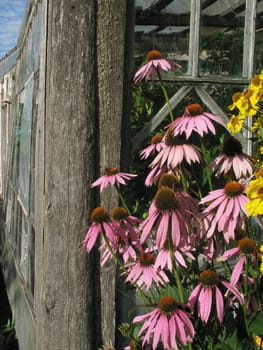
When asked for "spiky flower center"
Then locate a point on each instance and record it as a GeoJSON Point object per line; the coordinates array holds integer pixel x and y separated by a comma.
{"type": "Point", "coordinates": [233, 189]}
{"type": "Point", "coordinates": [194, 109]}
{"type": "Point", "coordinates": [232, 147]}
{"type": "Point", "coordinates": [99, 215]}
{"type": "Point", "coordinates": [248, 93]}
{"type": "Point", "coordinates": [247, 246]}
{"type": "Point", "coordinates": [168, 180]}
{"type": "Point", "coordinates": [236, 96]}
{"type": "Point", "coordinates": [119, 213]}
{"type": "Point", "coordinates": [255, 80]}
{"type": "Point", "coordinates": [167, 304]}
{"type": "Point", "coordinates": [259, 172]}
{"type": "Point", "coordinates": [171, 140]}
{"type": "Point", "coordinates": [147, 259]}
{"type": "Point", "coordinates": [153, 55]}
{"type": "Point", "coordinates": [111, 171]}
{"type": "Point", "coordinates": [208, 278]}
{"type": "Point", "coordinates": [156, 139]}
{"type": "Point", "coordinates": [166, 199]}
{"type": "Point", "coordinates": [131, 344]}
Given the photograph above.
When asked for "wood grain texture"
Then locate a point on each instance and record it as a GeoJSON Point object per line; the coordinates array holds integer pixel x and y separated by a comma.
{"type": "Point", "coordinates": [111, 24]}
{"type": "Point", "coordinates": [66, 146]}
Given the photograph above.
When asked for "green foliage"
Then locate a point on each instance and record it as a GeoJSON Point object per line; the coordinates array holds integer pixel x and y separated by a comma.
{"type": "Point", "coordinates": [8, 340]}
{"type": "Point", "coordinates": [255, 323]}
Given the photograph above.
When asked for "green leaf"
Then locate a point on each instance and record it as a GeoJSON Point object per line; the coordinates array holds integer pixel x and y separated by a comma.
{"type": "Point", "coordinates": [255, 323]}
{"type": "Point", "coordinates": [223, 347]}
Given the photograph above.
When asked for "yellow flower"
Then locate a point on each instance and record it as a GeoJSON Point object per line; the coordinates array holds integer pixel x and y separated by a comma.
{"type": "Point", "coordinates": [254, 192]}
{"type": "Point", "coordinates": [259, 173]}
{"type": "Point", "coordinates": [237, 100]}
{"type": "Point", "coordinates": [261, 265]}
{"type": "Point", "coordinates": [259, 341]}
{"type": "Point", "coordinates": [251, 99]}
{"type": "Point", "coordinates": [246, 102]}
{"type": "Point", "coordinates": [235, 123]}
{"type": "Point", "coordinates": [255, 126]}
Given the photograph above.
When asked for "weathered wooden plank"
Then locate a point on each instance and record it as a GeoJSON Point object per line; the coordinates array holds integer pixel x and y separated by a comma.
{"type": "Point", "coordinates": [66, 283]}
{"type": "Point", "coordinates": [111, 22]}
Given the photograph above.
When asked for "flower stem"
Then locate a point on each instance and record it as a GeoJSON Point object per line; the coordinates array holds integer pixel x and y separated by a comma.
{"type": "Point", "coordinates": [122, 200]}
{"type": "Point", "coordinates": [167, 100]}
{"type": "Point", "coordinates": [208, 171]}
{"type": "Point", "coordinates": [179, 285]}
{"type": "Point", "coordinates": [184, 180]}
{"type": "Point", "coordinates": [176, 274]}
{"type": "Point", "coordinates": [252, 344]}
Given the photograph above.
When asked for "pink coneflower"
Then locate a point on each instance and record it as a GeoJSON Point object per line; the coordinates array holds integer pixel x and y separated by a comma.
{"type": "Point", "coordinates": [232, 158]}
{"type": "Point", "coordinates": [167, 324]}
{"type": "Point", "coordinates": [125, 224]}
{"type": "Point", "coordinates": [246, 247]}
{"type": "Point", "coordinates": [172, 180]}
{"type": "Point", "coordinates": [205, 292]}
{"type": "Point", "coordinates": [156, 145]}
{"type": "Point", "coordinates": [155, 64]}
{"type": "Point", "coordinates": [126, 227]}
{"type": "Point", "coordinates": [143, 273]}
{"type": "Point", "coordinates": [167, 216]}
{"type": "Point", "coordinates": [107, 346]}
{"type": "Point", "coordinates": [229, 205]}
{"type": "Point", "coordinates": [132, 345]}
{"type": "Point", "coordinates": [166, 257]}
{"type": "Point", "coordinates": [195, 119]}
{"type": "Point", "coordinates": [101, 223]}
{"type": "Point", "coordinates": [111, 178]}
{"type": "Point", "coordinates": [127, 242]}
{"type": "Point", "coordinates": [154, 175]}
{"type": "Point", "coordinates": [176, 151]}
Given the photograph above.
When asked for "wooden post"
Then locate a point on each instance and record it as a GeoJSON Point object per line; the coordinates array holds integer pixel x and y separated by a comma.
{"type": "Point", "coordinates": [111, 27]}
{"type": "Point", "coordinates": [66, 131]}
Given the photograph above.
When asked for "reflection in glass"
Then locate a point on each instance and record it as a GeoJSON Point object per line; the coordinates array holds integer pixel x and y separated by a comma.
{"type": "Point", "coordinates": [258, 58]}
{"type": "Point", "coordinates": [221, 38]}
{"type": "Point", "coordinates": [163, 26]}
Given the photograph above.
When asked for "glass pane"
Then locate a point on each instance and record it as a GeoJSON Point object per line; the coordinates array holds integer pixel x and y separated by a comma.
{"type": "Point", "coordinates": [25, 144]}
{"type": "Point", "coordinates": [163, 26]}
{"type": "Point", "coordinates": [259, 39]}
{"type": "Point", "coordinates": [221, 38]}
{"type": "Point", "coordinates": [37, 34]}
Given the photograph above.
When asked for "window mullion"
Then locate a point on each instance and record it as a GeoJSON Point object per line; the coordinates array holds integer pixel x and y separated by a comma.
{"type": "Point", "coordinates": [194, 38]}
{"type": "Point", "coordinates": [249, 39]}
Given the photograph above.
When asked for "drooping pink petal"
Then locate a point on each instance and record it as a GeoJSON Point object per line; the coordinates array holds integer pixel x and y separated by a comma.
{"type": "Point", "coordinates": [219, 305]}
{"type": "Point", "coordinates": [228, 254]}
{"type": "Point", "coordinates": [173, 333]}
{"type": "Point", "coordinates": [164, 331]}
{"type": "Point", "coordinates": [237, 270]}
{"type": "Point", "coordinates": [180, 330]}
{"type": "Point", "coordinates": [162, 231]}
{"type": "Point", "coordinates": [234, 291]}
{"type": "Point", "coordinates": [158, 331]}
{"type": "Point", "coordinates": [205, 303]}
{"type": "Point", "coordinates": [187, 323]}
{"type": "Point", "coordinates": [194, 296]}
{"type": "Point", "coordinates": [179, 258]}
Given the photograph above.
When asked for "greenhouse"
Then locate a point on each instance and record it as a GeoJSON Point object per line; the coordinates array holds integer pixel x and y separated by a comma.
{"type": "Point", "coordinates": [131, 175]}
